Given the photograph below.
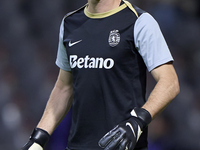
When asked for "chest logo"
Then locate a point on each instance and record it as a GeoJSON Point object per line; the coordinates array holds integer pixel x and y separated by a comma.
{"type": "Point", "coordinates": [114, 38]}
{"type": "Point", "coordinates": [72, 44]}
{"type": "Point", "coordinates": [90, 62]}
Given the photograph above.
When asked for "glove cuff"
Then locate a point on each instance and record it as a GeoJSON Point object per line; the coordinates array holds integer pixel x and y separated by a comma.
{"type": "Point", "coordinates": [40, 136]}
{"type": "Point", "coordinates": [143, 115]}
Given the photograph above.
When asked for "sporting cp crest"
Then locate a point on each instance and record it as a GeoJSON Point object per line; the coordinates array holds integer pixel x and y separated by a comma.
{"type": "Point", "coordinates": [114, 38]}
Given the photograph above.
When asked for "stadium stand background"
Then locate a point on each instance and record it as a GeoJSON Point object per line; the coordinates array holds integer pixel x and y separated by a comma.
{"type": "Point", "coordinates": [28, 46]}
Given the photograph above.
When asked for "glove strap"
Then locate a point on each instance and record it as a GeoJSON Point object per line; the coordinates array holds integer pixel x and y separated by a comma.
{"type": "Point", "coordinates": [143, 115]}
{"type": "Point", "coordinates": [40, 136]}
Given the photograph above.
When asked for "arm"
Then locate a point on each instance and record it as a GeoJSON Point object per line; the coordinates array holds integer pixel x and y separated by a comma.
{"type": "Point", "coordinates": [165, 91]}
{"type": "Point", "coordinates": [58, 104]}
{"type": "Point", "coordinates": [57, 107]}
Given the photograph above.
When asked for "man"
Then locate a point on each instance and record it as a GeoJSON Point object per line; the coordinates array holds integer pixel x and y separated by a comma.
{"type": "Point", "coordinates": [104, 50]}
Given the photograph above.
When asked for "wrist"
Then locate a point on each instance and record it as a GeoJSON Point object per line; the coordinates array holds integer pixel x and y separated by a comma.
{"type": "Point", "coordinates": [142, 115]}
{"type": "Point", "coordinates": [40, 136]}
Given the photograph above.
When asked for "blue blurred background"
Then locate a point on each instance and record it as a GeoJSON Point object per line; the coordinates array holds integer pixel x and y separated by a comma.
{"type": "Point", "coordinates": [28, 47]}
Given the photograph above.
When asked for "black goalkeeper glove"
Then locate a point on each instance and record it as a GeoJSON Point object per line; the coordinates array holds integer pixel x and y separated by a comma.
{"type": "Point", "coordinates": [37, 140]}
{"type": "Point", "coordinates": [126, 134]}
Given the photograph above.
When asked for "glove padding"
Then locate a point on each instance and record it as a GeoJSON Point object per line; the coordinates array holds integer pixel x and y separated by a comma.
{"type": "Point", "coordinates": [126, 134]}
{"type": "Point", "coordinates": [37, 141]}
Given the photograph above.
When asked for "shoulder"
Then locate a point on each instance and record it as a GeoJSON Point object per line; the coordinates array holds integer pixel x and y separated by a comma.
{"type": "Point", "coordinates": [138, 11]}
{"type": "Point", "coordinates": [75, 11]}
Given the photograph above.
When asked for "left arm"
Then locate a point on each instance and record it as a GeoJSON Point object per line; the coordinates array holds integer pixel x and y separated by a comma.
{"type": "Point", "coordinates": [165, 91]}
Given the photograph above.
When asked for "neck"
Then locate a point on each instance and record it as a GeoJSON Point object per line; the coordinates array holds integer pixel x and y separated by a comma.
{"type": "Point", "coordinates": [101, 6]}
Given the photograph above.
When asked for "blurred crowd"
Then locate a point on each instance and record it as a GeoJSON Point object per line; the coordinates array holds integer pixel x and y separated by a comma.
{"type": "Point", "coordinates": [28, 46]}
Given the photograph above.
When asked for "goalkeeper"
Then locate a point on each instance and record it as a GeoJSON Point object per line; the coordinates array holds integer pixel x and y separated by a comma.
{"type": "Point", "coordinates": [105, 48]}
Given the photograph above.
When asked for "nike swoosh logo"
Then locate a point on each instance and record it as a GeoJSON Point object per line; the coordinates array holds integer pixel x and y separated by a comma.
{"type": "Point", "coordinates": [138, 133]}
{"type": "Point", "coordinates": [72, 44]}
{"type": "Point", "coordinates": [128, 124]}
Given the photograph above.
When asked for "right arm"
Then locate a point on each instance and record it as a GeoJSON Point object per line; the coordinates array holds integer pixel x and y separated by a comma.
{"type": "Point", "coordinates": [58, 104]}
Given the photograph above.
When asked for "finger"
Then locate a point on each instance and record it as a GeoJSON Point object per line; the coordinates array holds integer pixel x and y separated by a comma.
{"type": "Point", "coordinates": [123, 144]}
{"type": "Point", "coordinates": [114, 143]}
{"type": "Point", "coordinates": [106, 139]}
